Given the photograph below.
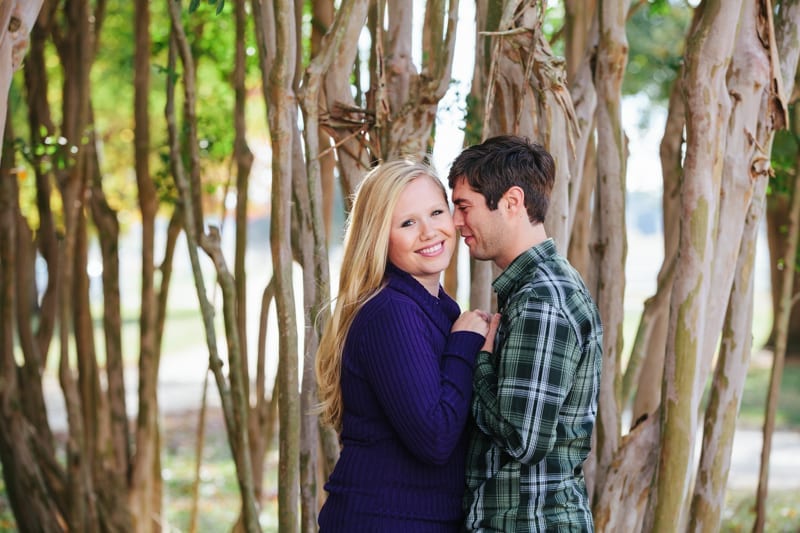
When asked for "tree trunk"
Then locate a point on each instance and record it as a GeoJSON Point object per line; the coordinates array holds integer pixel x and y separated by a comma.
{"type": "Point", "coordinates": [610, 246]}
{"type": "Point", "coordinates": [324, 14]}
{"type": "Point", "coordinates": [788, 299]}
{"type": "Point", "coordinates": [760, 109]}
{"type": "Point", "coordinates": [282, 120]}
{"type": "Point", "coordinates": [644, 372]}
{"type": "Point", "coordinates": [527, 94]}
{"type": "Point", "coordinates": [413, 98]}
{"type": "Point", "coordinates": [75, 45]}
{"type": "Point", "coordinates": [145, 494]}
{"type": "Point", "coordinates": [778, 204]}
{"type": "Point", "coordinates": [34, 501]}
{"type": "Point", "coordinates": [708, 108]}
{"type": "Point", "coordinates": [233, 397]}
{"type": "Point", "coordinates": [621, 505]}
{"type": "Point", "coordinates": [340, 116]}
{"type": "Point", "coordinates": [789, 48]}
{"type": "Point", "coordinates": [16, 20]}
{"type": "Point", "coordinates": [111, 465]}
{"type": "Point", "coordinates": [750, 76]}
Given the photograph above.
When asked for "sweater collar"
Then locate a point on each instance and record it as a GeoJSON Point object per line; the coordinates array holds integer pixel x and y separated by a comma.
{"type": "Point", "coordinates": [443, 310]}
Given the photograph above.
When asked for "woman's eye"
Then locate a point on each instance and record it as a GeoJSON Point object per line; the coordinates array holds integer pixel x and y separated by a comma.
{"type": "Point", "coordinates": [437, 212]}
{"type": "Point", "coordinates": [406, 223]}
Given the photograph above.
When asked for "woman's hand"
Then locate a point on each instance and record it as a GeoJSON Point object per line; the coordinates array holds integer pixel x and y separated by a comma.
{"type": "Point", "coordinates": [476, 321]}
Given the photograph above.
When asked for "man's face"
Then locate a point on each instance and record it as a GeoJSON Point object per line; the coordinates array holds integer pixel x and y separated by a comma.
{"type": "Point", "coordinates": [483, 230]}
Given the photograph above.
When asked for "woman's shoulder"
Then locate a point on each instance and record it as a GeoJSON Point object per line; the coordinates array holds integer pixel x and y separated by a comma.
{"type": "Point", "coordinates": [387, 315]}
{"type": "Point", "coordinates": [388, 300]}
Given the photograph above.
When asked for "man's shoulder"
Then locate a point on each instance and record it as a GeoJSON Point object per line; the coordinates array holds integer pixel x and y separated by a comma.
{"type": "Point", "coordinates": [555, 281]}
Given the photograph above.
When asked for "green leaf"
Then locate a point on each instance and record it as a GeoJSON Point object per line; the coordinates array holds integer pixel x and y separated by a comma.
{"type": "Point", "coordinates": [193, 5]}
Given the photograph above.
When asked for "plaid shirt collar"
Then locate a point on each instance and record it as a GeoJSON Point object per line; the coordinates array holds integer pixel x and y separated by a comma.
{"type": "Point", "coordinates": [521, 269]}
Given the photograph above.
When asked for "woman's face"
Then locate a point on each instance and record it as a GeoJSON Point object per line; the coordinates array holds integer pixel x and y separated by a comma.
{"type": "Point", "coordinates": [422, 235]}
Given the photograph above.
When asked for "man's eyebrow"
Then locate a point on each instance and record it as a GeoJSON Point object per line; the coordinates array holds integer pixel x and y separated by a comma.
{"type": "Point", "coordinates": [459, 201]}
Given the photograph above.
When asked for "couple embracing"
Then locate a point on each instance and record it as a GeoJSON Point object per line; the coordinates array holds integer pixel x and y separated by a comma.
{"type": "Point", "coordinates": [451, 421]}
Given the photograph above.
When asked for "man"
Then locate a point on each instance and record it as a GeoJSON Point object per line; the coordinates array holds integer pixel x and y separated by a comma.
{"type": "Point", "coordinates": [534, 401]}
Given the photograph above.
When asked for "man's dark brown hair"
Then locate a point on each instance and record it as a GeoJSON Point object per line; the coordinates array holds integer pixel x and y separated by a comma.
{"type": "Point", "coordinates": [505, 161]}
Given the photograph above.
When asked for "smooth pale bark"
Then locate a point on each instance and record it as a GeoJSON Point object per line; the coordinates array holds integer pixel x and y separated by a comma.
{"type": "Point", "coordinates": [477, 130]}
{"type": "Point", "coordinates": [16, 20]}
{"type": "Point", "coordinates": [527, 94]}
{"type": "Point", "coordinates": [749, 77]}
{"type": "Point", "coordinates": [581, 45]}
{"type": "Point", "coordinates": [579, 19]}
{"type": "Point", "coordinates": [708, 55]}
{"type": "Point", "coordinates": [789, 49]}
{"type": "Point", "coordinates": [644, 371]}
{"type": "Point", "coordinates": [728, 383]}
{"type": "Point", "coordinates": [323, 17]}
{"type": "Point", "coordinates": [609, 248]}
{"type": "Point", "coordinates": [315, 296]}
{"type": "Point", "coordinates": [340, 116]}
{"type": "Point", "coordinates": [414, 97]}
{"type": "Point", "coordinates": [621, 505]}
{"type": "Point", "coordinates": [755, 66]}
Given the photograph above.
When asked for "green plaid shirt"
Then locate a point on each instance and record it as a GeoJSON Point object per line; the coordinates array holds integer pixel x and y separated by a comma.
{"type": "Point", "coordinates": [535, 401]}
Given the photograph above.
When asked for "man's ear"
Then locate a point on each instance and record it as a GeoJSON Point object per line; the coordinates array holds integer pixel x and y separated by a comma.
{"type": "Point", "coordinates": [513, 200]}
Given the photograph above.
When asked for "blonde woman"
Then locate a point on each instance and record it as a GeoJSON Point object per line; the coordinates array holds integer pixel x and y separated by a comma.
{"type": "Point", "coordinates": [395, 363]}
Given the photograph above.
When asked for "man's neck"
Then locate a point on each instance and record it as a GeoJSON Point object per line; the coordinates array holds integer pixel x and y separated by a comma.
{"type": "Point", "coordinates": [528, 237]}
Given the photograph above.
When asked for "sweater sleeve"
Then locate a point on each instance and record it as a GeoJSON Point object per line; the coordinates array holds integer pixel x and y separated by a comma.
{"type": "Point", "coordinates": [425, 395]}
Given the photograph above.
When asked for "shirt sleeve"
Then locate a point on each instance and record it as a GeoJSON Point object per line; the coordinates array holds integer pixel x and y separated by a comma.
{"type": "Point", "coordinates": [520, 390]}
{"type": "Point", "coordinates": [425, 395]}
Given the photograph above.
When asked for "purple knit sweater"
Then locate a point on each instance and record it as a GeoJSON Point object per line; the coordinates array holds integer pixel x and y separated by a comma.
{"type": "Point", "coordinates": [406, 386]}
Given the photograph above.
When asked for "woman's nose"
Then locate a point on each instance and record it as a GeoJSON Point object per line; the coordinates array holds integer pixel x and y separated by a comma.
{"type": "Point", "coordinates": [427, 229]}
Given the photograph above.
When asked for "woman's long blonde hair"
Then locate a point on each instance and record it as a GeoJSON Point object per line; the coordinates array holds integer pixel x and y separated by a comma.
{"type": "Point", "coordinates": [366, 248]}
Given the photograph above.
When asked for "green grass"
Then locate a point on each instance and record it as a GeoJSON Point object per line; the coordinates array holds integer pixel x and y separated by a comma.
{"type": "Point", "coordinates": [219, 502]}
{"type": "Point", "coordinates": [783, 512]}
{"type": "Point", "coordinates": [754, 397]}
